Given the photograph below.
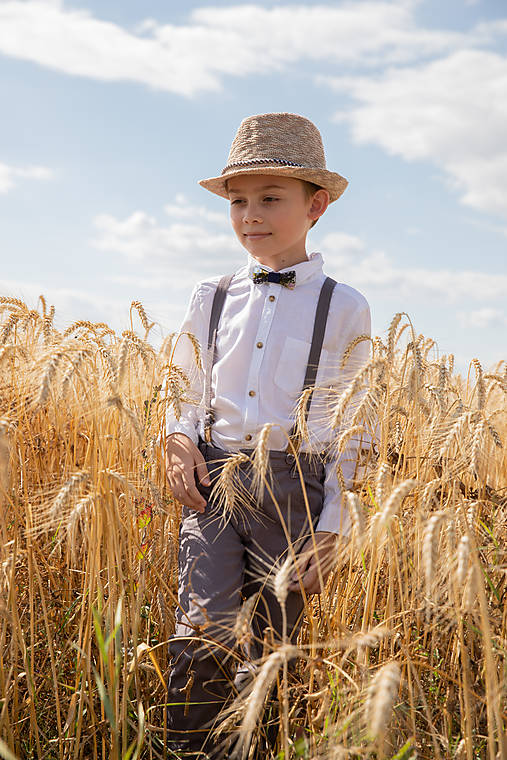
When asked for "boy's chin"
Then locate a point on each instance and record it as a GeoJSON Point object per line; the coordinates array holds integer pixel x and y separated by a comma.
{"type": "Point", "coordinates": [255, 255]}
{"type": "Point", "coordinates": [258, 247]}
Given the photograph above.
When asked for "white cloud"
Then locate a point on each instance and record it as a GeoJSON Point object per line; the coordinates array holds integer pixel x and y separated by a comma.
{"type": "Point", "coordinates": [348, 260]}
{"type": "Point", "coordinates": [183, 209]}
{"type": "Point", "coordinates": [236, 41]}
{"type": "Point", "coordinates": [195, 243]}
{"type": "Point", "coordinates": [51, 3]}
{"type": "Point", "coordinates": [482, 318]}
{"type": "Point", "coordinates": [440, 99]}
{"type": "Point", "coordinates": [452, 112]}
{"type": "Point", "coordinates": [74, 42]}
{"type": "Point", "coordinates": [10, 174]}
{"type": "Point", "coordinates": [194, 250]}
{"type": "Point", "coordinates": [363, 33]}
{"type": "Point", "coordinates": [70, 303]}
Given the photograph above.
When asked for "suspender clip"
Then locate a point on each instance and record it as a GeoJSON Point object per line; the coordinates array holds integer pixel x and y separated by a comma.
{"type": "Point", "coordinates": [291, 456]}
{"type": "Point", "coordinates": [209, 419]}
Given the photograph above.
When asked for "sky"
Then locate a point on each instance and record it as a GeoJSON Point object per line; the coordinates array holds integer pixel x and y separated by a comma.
{"type": "Point", "coordinates": [112, 111]}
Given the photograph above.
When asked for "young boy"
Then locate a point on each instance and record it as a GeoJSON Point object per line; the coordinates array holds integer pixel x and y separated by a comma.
{"type": "Point", "coordinates": [279, 325]}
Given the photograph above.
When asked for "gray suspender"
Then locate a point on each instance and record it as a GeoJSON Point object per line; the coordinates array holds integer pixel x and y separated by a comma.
{"type": "Point", "coordinates": [319, 328]}
{"type": "Point", "coordinates": [216, 310]}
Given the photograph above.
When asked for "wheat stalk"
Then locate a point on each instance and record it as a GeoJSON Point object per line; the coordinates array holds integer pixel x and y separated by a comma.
{"type": "Point", "coordinates": [10, 301]}
{"type": "Point", "coordinates": [430, 548]}
{"type": "Point", "coordinates": [357, 516]}
{"type": "Point", "coordinates": [242, 630]}
{"type": "Point", "coordinates": [463, 554]}
{"type": "Point", "coordinates": [229, 494]}
{"type": "Point", "coordinates": [351, 346]}
{"type": "Point", "coordinates": [8, 328]}
{"type": "Point", "coordinates": [381, 483]}
{"type": "Point", "coordinates": [394, 501]}
{"type": "Point", "coordinates": [481, 390]}
{"type": "Point", "coordinates": [262, 683]}
{"type": "Point", "coordinates": [142, 316]}
{"type": "Point", "coordinates": [282, 579]}
{"type": "Point", "coordinates": [381, 695]}
{"type": "Point", "coordinates": [260, 462]}
{"type": "Point", "coordinates": [58, 509]}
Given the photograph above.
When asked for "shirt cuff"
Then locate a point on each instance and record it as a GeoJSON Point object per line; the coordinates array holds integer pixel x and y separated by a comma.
{"type": "Point", "coordinates": [182, 426]}
{"type": "Point", "coordinates": [335, 518]}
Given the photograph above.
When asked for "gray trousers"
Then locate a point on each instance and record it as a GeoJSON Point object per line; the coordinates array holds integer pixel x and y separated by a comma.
{"type": "Point", "coordinates": [219, 567]}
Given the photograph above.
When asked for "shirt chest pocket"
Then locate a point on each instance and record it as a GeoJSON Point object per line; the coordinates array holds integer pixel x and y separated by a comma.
{"type": "Point", "coordinates": [291, 367]}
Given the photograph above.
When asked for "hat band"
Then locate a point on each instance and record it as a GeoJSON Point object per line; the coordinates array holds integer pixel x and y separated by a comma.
{"type": "Point", "coordinates": [260, 162]}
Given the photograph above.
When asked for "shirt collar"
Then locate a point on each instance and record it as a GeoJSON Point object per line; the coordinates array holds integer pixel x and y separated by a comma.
{"type": "Point", "coordinates": [305, 270]}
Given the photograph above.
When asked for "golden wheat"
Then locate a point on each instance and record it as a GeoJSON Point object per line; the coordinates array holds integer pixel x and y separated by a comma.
{"type": "Point", "coordinates": [415, 608]}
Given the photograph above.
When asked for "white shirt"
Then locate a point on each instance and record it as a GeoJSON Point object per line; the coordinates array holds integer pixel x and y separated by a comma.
{"type": "Point", "coordinates": [263, 342]}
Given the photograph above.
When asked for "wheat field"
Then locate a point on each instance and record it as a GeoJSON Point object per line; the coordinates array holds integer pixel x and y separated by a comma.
{"type": "Point", "coordinates": [403, 656]}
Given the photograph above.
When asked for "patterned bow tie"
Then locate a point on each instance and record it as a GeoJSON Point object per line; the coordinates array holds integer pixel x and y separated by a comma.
{"type": "Point", "coordinates": [287, 279]}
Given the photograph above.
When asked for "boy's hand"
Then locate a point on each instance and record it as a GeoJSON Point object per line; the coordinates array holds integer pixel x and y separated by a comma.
{"type": "Point", "coordinates": [310, 558]}
{"type": "Point", "coordinates": [184, 462]}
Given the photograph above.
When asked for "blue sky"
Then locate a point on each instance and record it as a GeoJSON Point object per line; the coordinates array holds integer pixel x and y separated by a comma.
{"type": "Point", "coordinates": [113, 111]}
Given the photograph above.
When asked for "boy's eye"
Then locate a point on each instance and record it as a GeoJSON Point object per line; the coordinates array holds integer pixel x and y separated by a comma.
{"type": "Point", "coordinates": [236, 201]}
{"type": "Point", "coordinates": [270, 198]}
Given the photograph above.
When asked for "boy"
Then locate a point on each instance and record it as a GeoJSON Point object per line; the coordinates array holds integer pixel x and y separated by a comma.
{"type": "Point", "coordinates": [279, 325]}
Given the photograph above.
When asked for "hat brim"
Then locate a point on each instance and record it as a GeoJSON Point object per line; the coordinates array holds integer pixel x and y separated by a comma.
{"type": "Point", "coordinates": [334, 183]}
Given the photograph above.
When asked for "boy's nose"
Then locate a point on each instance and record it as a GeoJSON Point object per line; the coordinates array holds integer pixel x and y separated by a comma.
{"type": "Point", "coordinates": [252, 214]}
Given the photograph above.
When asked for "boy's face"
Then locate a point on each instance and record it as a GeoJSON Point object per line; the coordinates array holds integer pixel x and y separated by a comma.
{"type": "Point", "coordinates": [271, 216]}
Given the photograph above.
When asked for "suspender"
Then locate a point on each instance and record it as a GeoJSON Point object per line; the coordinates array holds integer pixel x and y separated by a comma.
{"type": "Point", "coordinates": [216, 310]}
{"type": "Point", "coordinates": [319, 328]}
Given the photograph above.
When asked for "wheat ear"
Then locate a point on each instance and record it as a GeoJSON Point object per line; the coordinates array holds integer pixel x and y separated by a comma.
{"type": "Point", "coordinates": [142, 316]}
{"type": "Point", "coordinates": [357, 517]}
{"type": "Point", "coordinates": [463, 555]}
{"type": "Point", "coordinates": [430, 548]}
{"type": "Point", "coordinates": [394, 501]}
{"type": "Point", "coordinates": [242, 630]}
{"type": "Point", "coordinates": [351, 346]}
{"type": "Point", "coordinates": [260, 461]}
{"type": "Point", "coordinates": [381, 695]}
{"type": "Point", "coordinates": [262, 684]}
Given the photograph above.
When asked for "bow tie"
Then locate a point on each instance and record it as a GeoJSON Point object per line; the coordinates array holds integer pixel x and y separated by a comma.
{"type": "Point", "coordinates": [287, 279]}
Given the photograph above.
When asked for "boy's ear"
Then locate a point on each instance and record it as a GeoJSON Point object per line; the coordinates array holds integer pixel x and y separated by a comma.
{"type": "Point", "coordinates": [320, 202]}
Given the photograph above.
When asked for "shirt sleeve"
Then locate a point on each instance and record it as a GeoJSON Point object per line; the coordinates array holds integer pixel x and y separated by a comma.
{"type": "Point", "coordinates": [335, 517]}
{"type": "Point", "coordinates": [184, 383]}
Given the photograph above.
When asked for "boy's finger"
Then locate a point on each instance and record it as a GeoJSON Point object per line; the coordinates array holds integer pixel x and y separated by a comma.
{"type": "Point", "coordinates": [178, 489]}
{"type": "Point", "coordinates": [192, 496]}
{"type": "Point", "coordinates": [202, 471]}
{"type": "Point", "coordinates": [299, 572]}
{"type": "Point", "coordinates": [311, 581]}
{"type": "Point", "coordinates": [308, 581]}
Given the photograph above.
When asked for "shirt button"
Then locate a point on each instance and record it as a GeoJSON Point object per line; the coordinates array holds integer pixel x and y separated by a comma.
{"type": "Point", "coordinates": [248, 437]}
{"type": "Point", "coordinates": [271, 298]}
{"type": "Point", "coordinates": [251, 393]}
{"type": "Point", "coordinates": [260, 344]}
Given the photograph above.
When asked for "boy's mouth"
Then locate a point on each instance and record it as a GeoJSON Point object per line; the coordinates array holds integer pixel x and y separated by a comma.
{"type": "Point", "coordinates": [256, 235]}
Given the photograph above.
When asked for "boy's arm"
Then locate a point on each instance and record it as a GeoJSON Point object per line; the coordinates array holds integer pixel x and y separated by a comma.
{"type": "Point", "coordinates": [184, 465]}
{"type": "Point", "coordinates": [320, 552]}
{"type": "Point", "coordinates": [315, 561]}
{"type": "Point", "coordinates": [335, 517]}
{"type": "Point", "coordinates": [182, 415]}
{"type": "Point", "coordinates": [183, 459]}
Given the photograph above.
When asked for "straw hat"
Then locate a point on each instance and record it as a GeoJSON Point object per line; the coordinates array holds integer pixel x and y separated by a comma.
{"type": "Point", "coordinates": [283, 144]}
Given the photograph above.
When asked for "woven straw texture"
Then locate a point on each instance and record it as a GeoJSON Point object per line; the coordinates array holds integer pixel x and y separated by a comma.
{"type": "Point", "coordinates": [284, 144]}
